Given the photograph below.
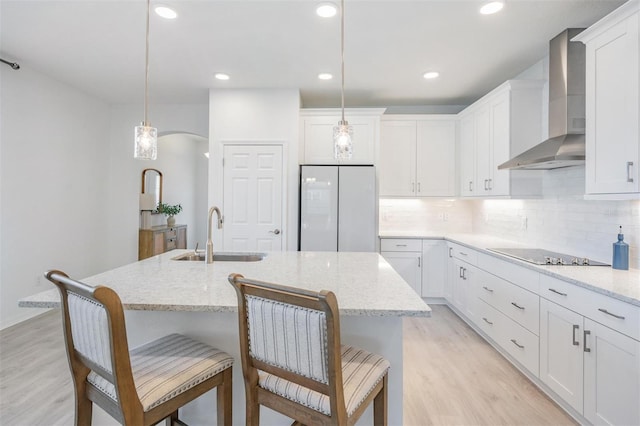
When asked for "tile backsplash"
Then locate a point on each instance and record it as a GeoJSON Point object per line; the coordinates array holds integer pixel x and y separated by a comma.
{"type": "Point", "coordinates": [560, 221]}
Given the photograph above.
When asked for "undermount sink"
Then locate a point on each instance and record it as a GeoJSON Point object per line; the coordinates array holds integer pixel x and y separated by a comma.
{"type": "Point", "coordinates": [223, 257]}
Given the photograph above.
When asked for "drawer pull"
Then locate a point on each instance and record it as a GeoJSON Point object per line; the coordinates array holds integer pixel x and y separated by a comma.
{"type": "Point", "coordinates": [586, 333]}
{"type": "Point", "coordinates": [557, 292]}
{"type": "Point", "coordinates": [487, 321]}
{"type": "Point", "coordinates": [517, 306]}
{"type": "Point", "coordinates": [515, 342]}
{"type": "Point", "coordinates": [575, 328]}
{"type": "Point", "coordinates": [629, 166]}
{"type": "Point", "coordinates": [609, 313]}
{"type": "Point", "coordinates": [463, 253]}
{"type": "Point", "coordinates": [490, 290]}
{"type": "Point", "coordinates": [401, 245]}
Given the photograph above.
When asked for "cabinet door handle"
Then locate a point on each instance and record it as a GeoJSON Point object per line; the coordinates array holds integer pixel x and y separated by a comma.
{"type": "Point", "coordinates": [470, 186]}
{"type": "Point", "coordinates": [418, 262]}
{"type": "Point", "coordinates": [575, 328]}
{"type": "Point", "coordinates": [486, 182]}
{"type": "Point", "coordinates": [586, 333]}
{"type": "Point", "coordinates": [609, 313]}
{"type": "Point", "coordinates": [629, 167]}
{"type": "Point", "coordinates": [517, 306]}
{"type": "Point", "coordinates": [413, 187]}
{"type": "Point", "coordinates": [490, 290]}
{"type": "Point", "coordinates": [487, 321]}
{"type": "Point", "coordinates": [450, 251]}
{"type": "Point", "coordinates": [557, 292]}
{"type": "Point", "coordinates": [515, 342]}
{"type": "Point", "coordinates": [418, 186]}
{"type": "Point", "coordinates": [490, 184]}
{"type": "Point", "coordinates": [464, 274]}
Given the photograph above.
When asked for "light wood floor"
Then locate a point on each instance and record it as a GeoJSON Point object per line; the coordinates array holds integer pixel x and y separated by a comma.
{"type": "Point", "coordinates": [452, 377]}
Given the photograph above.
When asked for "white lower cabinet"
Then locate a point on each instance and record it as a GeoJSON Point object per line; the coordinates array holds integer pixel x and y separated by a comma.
{"type": "Point", "coordinates": [421, 263]}
{"type": "Point", "coordinates": [408, 265]}
{"type": "Point", "coordinates": [561, 360]}
{"type": "Point", "coordinates": [405, 256]}
{"type": "Point", "coordinates": [611, 376]}
{"type": "Point", "coordinates": [594, 368]}
{"type": "Point", "coordinates": [434, 268]}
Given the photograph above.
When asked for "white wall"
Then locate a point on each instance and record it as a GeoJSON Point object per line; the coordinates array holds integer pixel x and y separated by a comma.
{"type": "Point", "coordinates": [69, 182]}
{"type": "Point", "coordinates": [54, 142]}
{"type": "Point", "coordinates": [125, 172]}
{"type": "Point", "coordinates": [254, 116]}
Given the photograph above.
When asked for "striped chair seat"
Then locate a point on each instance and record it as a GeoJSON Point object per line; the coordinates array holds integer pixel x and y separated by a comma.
{"type": "Point", "coordinates": [361, 372]}
{"type": "Point", "coordinates": [167, 367]}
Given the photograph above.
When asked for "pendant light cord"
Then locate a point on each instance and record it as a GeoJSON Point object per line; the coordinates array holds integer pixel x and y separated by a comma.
{"type": "Point", "coordinates": [146, 70]}
{"type": "Point", "coordinates": [342, 54]}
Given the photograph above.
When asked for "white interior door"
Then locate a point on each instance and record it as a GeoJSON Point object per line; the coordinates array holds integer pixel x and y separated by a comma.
{"type": "Point", "coordinates": [253, 198]}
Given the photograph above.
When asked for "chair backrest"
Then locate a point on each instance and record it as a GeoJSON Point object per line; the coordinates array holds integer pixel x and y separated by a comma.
{"type": "Point", "coordinates": [95, 334]}
{"type": "Point", "coordinates": [291, 333]}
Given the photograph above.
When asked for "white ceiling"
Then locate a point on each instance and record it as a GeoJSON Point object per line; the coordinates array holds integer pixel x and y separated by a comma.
{"type": "Point", "coordinates": [98, 46]}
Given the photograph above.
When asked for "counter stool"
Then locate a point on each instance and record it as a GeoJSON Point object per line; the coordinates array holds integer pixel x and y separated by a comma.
{"type": "Point", "coordinates": [293, 362]}
{"type": "Point", "coordinates": [141, 387]}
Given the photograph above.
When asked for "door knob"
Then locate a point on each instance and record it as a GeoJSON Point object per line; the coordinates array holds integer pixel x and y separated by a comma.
{"type": "Point", "coordinates": [275, 231]}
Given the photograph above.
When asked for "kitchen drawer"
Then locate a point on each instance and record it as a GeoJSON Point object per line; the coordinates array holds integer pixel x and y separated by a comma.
{"type": "Point", "coordinates": [170, 233]}
{"type": "Point", "coordinates": [400, 244]}
{"type": "Point", "coordinates": [520, 305]}
{"type": "Point", "coordinates": [171, 244]}
{"type": "Point", "coordinates": [616, 314]}
{"type": "Point", "coordinates": [463, 253]}
{"type": "Point", "coordinates": [516, 274]}
{"type": "Point", "coordinates": [516, 340]}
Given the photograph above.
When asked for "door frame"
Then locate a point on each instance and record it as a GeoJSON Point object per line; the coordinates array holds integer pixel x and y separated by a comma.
{"type": "Point", "coordinates": [219, 189]}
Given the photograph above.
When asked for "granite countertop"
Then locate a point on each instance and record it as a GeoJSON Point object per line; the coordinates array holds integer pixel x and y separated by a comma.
{"type": "Point", "coordinates": [622, 285]}
{"type": "Point", "coordinates": [364, 283]}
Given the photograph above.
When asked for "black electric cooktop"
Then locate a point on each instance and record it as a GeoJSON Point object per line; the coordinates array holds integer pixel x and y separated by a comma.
{"type": "Point", "coordinates": [546, 257]}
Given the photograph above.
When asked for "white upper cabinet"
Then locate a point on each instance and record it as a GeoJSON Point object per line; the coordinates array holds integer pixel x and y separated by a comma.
{"type": "Point", "coordinates": [613, 103]}
{"type": "Point", "coordinates": [502, 124]}
{"type": "Point", "coordinates": [316, 135]}
{"type": "Point", "coordinates": [417, 156]}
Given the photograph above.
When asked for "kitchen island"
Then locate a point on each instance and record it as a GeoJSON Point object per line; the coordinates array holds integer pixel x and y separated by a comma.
{"type": "Point", "coordinates": [161, 296]}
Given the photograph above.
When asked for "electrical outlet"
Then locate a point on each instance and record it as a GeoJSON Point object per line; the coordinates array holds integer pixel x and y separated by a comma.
{"type": "Point", "coordinates": [446, 216]}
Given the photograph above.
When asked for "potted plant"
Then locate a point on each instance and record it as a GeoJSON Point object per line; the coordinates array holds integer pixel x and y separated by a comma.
{"type": "Point", "coordinates": [170, 211]}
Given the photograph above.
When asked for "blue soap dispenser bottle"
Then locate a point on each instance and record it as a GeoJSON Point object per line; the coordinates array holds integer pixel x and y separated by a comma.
{"type": "Point", "coordinates": [620, 253]}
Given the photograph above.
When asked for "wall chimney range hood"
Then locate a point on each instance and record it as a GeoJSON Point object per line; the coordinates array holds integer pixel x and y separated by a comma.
{"type": "Point", "coordinates": [566, 144]}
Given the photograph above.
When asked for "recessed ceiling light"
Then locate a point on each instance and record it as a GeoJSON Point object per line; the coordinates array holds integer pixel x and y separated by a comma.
{"type": "Point", "coordinates": [492, 7]}
{"type": "Point", "coordinates": [431, 74]}
{"type": "Point", "coordinates": [166, 12]}
{"type": "Point", "coordinates": [327, 10]}
{"type": "Point", "coordinates": [222, 76]}
{"type": "Point", "coordinates": [325, 76]}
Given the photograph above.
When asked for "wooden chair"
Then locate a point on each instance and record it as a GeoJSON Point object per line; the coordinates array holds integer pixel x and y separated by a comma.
{"type": "Point", "coordinates": [141, 387]}
{"type": "Point", "coordinates": [293, 362]}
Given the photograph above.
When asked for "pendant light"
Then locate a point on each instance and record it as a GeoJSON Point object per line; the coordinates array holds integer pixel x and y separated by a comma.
{"type": "Point", "coordinates": [342, 133]}
{"type": "Point", "coordinates": [146, 137]}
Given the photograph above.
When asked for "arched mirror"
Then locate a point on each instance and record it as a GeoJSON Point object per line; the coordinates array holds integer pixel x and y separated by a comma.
{"type": "Point", "coordinates": [152, 184]}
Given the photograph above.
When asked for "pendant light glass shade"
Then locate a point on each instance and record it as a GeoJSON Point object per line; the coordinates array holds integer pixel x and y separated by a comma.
{"type": "Point", "coordinates": [146, 142]}
{"type": "Point", "coordinates": [342, 133]}
{"type": "Point", "coordinates": [145, 136]}
{"type": "Point", "coordinates": [342, 141]}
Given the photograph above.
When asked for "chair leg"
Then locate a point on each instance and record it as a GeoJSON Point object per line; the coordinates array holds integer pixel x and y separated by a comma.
{"type": "Point", "coordinates": [225, 398]}
{"type": "Point", "coordinates": [380, 406]}
{"type": "Point", "coordinates": [172, 419]}
{"type": "Point", "coordinates": [84, 410]}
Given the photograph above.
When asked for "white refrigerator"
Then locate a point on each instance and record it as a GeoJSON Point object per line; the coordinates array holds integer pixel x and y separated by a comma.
{"type": "Point", "coordinates": [338, 208]}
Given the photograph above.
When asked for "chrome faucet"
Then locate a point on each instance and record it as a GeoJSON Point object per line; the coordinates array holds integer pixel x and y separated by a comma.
{"type": "Point", "coordinates": [209, 254]}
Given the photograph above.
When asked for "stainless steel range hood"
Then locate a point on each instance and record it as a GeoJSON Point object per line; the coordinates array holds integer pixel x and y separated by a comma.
{"type": "Point", "coordinates": [566, 144]}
